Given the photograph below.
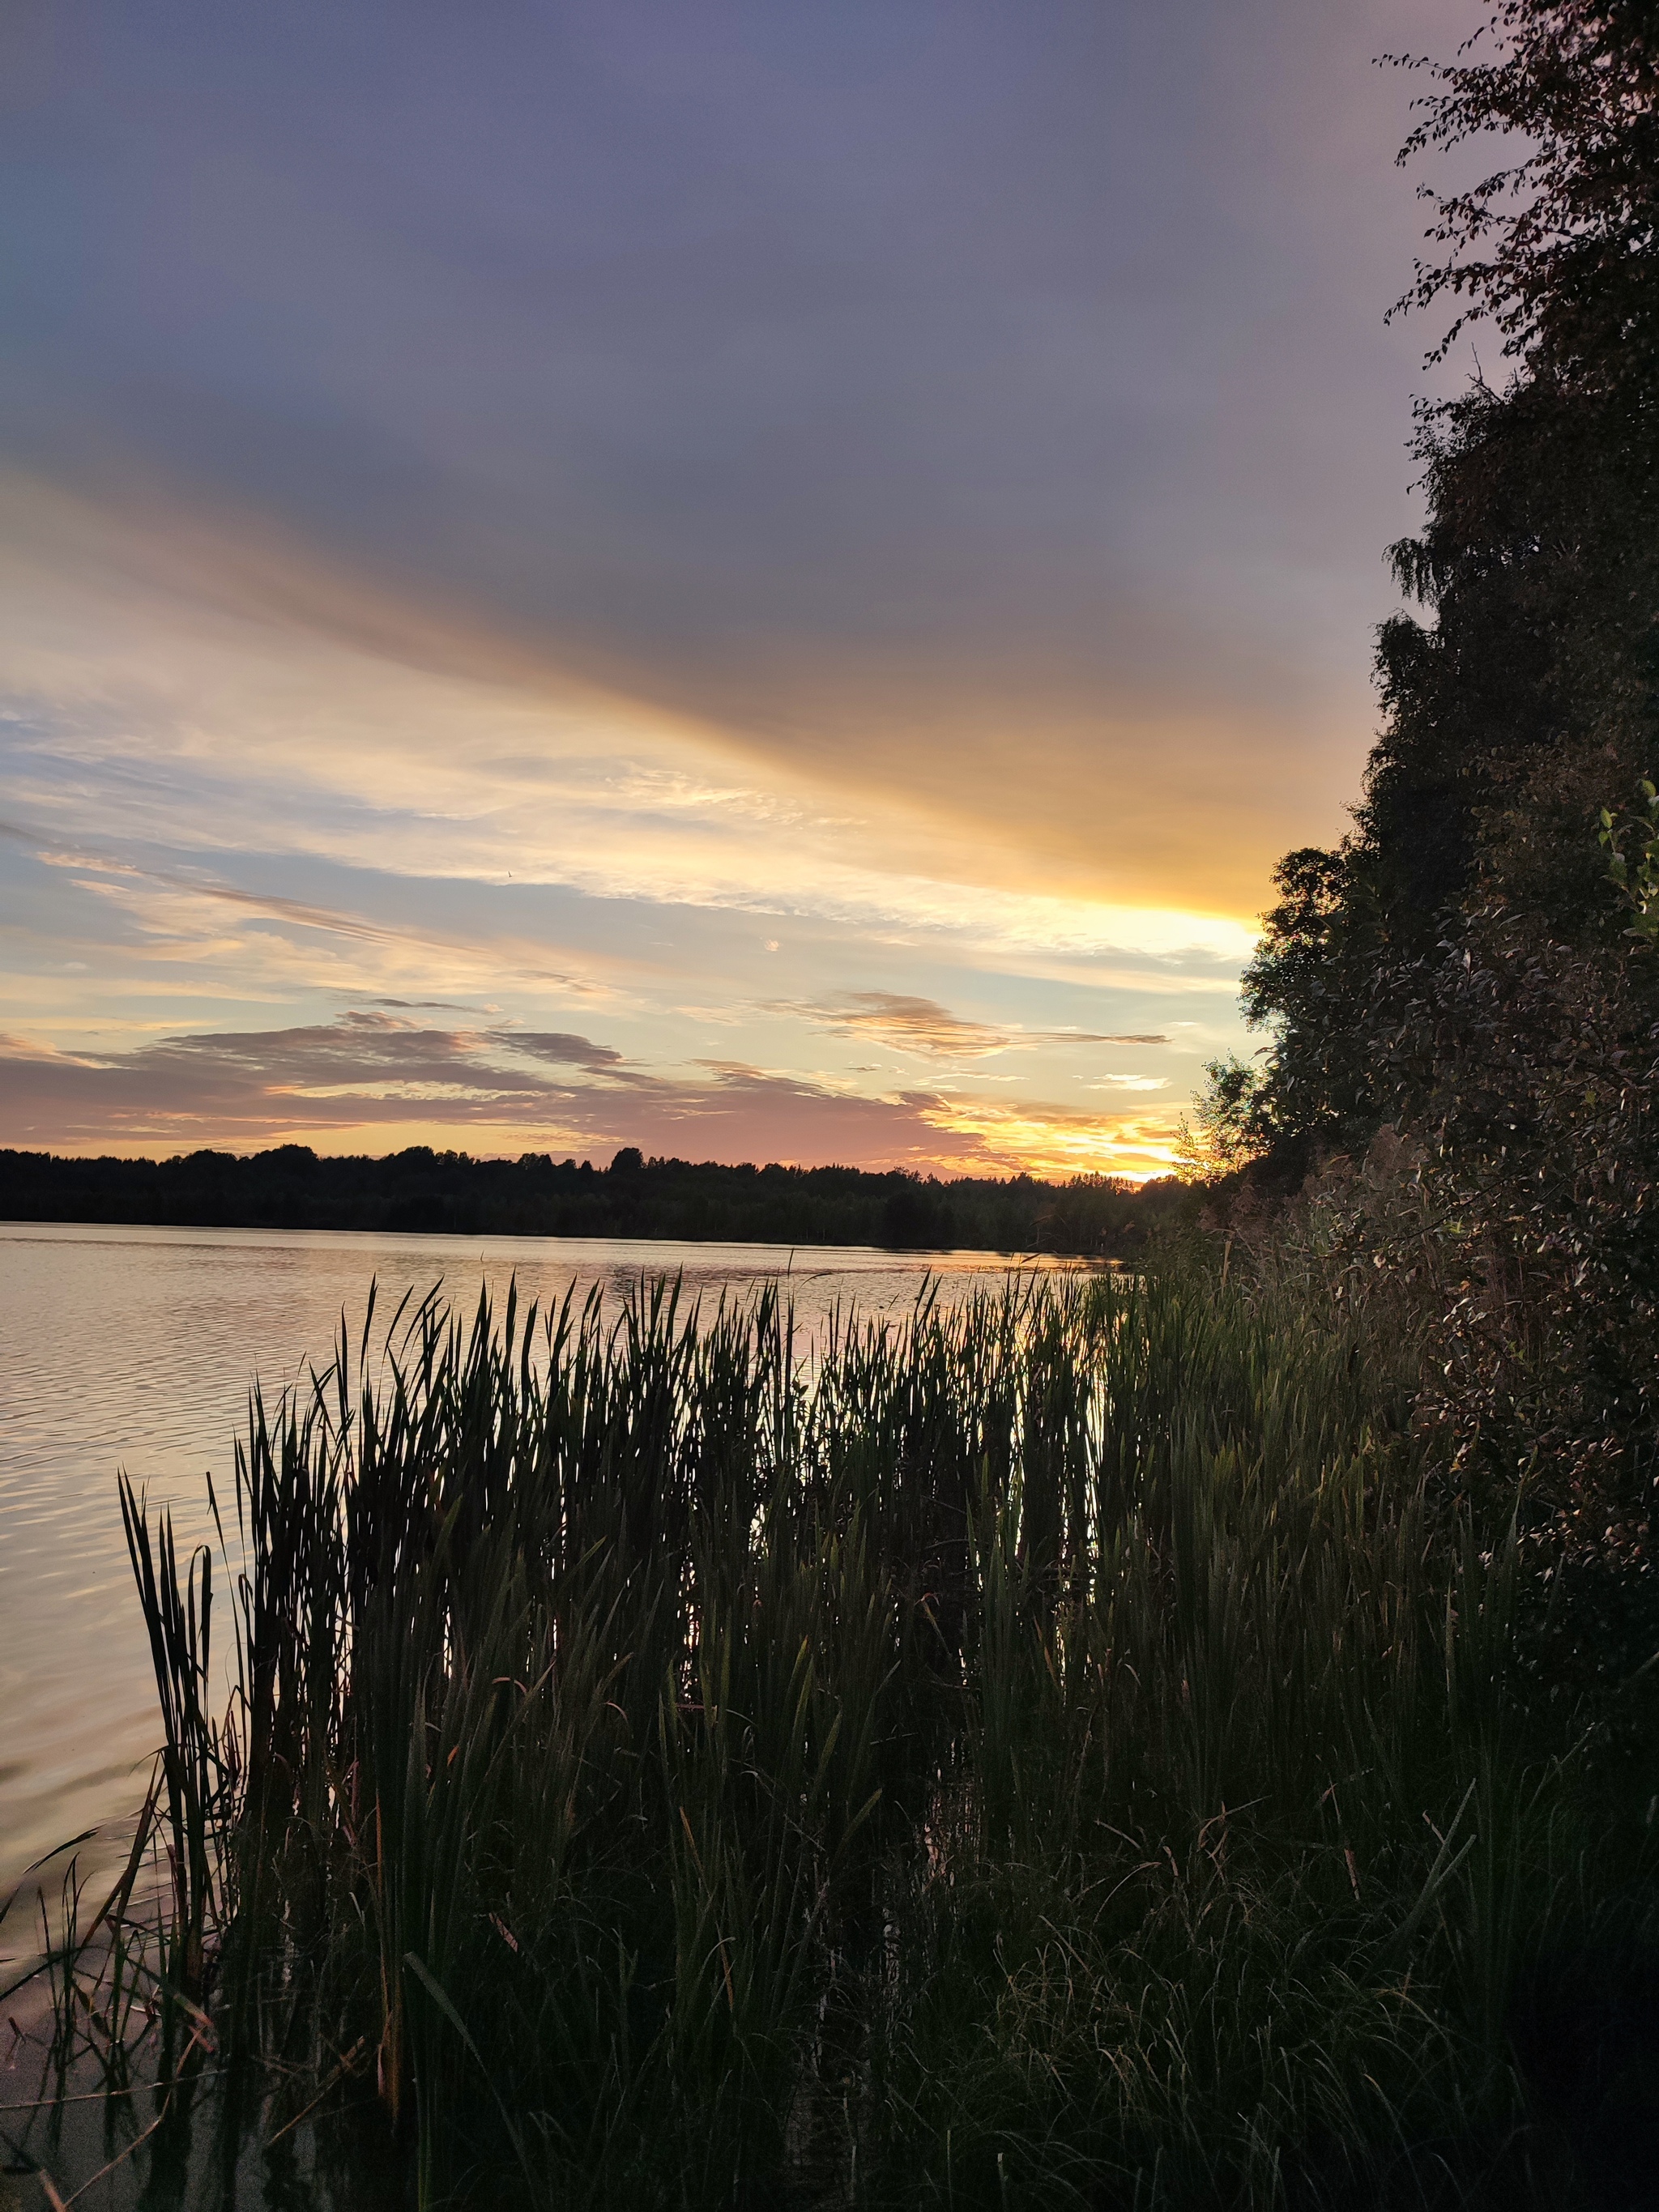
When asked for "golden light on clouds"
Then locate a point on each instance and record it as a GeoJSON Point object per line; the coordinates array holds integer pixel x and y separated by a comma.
{"type": "Point", "coordinates": [712, 546]}
{"type": "Point", "coordinates": [225, 642]}
{"type": "Point", "coordinates": [1053, 1143]}
{"type": "Point", "coordinates": [252, 825]}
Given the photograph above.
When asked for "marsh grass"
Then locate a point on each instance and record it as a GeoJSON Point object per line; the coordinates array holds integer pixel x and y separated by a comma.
{"type": "Point", "coordinates": [1064, 1750]}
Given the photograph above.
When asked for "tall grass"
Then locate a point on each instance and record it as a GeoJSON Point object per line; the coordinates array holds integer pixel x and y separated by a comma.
{"type": "Point", "coordinates": [1062, 1750]}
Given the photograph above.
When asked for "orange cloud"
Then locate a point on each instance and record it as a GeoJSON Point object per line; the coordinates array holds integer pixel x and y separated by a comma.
{"type": "Point", "coordinates": [376, 1081]}
{"type": "Point", "coordinates": [922, 1025]}
{"type": "Point", "coordinates": [1053, 1141]}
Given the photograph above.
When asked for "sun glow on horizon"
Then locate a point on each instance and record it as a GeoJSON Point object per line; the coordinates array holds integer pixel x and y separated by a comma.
{"type": "Point", "coordinates": [834, 667]}
{"type": "Point", "coordinates": [299, 889]}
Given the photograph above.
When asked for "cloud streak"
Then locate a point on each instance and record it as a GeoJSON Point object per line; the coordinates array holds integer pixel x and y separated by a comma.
{"type": "Point", "coordinates": [844, 538]}
{"type": "Point", "coordinates": [907, 1024]}
{"type": "Point", "coordinates": [917, 432]}
{"type": "Point", "coordinates": [372, 1081]}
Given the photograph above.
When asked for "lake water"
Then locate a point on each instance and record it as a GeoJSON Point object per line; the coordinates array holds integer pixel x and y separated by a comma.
{"type": "Point", "coordinates": [135, 1348]}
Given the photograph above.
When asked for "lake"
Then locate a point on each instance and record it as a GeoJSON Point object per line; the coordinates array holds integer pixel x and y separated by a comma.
{"type": "Point", "coordinates": [134, 1348]}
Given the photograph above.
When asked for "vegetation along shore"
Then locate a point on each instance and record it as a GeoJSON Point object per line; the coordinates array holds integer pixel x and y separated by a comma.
{"type": "Point", "coordinates": [1182, 1737]}
{"type": "Point", "coordinates": [1084, 1748]}
{"type": "Point", "coordinates": [292, 1188]}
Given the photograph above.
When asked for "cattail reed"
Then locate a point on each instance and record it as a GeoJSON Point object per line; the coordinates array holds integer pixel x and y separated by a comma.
{"type": "Point", "coordinates": [1067, 1748]}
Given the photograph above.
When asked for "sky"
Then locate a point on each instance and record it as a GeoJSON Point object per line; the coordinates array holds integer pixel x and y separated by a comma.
{"type": "Point", "coordinates": [757, 580]}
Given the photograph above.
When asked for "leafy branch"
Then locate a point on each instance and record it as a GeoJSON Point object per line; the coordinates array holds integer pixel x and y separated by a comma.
{"type": "Point", "coordinates": [1632, 840]}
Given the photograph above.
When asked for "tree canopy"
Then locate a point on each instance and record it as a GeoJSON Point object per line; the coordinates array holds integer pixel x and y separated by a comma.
{"type": "Point", "coordinates": [1520, 692]}
{"type": "Point", "coordinates": [1462, 997]}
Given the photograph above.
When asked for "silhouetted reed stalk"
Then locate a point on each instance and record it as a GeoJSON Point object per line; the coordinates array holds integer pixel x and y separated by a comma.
{"type": "Point", "coordinates": [1055, 1748]}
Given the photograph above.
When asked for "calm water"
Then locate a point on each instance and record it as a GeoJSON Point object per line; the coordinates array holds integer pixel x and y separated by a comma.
{"type": "Point", "coordinates": [135, 1348]}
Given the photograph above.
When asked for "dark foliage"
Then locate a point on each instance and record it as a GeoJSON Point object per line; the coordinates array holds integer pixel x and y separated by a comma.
{"type": "Point", "coordinates": [419, 1189]}
{"type": "Point", "coordinates": [1513, 1217]}
{"type": "Point", "coordinates": [1524, 708]}
{"type": "Point", "coordinates": [1529, 1069]}
{"type": "Point", "coordinates": [1529, 700]}
{"type": "Point", "coordinates": [1464, 1022]}
{"type": "Point", "coordinates": [1557, 246]}
{"type": "Point", "coordinates": [1064, 1755]}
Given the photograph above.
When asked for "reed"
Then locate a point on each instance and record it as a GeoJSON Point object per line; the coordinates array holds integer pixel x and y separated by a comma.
{"type": "Point", "coordinates": [1066, 1749]}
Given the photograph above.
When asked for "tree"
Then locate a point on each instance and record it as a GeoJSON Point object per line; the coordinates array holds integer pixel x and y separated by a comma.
{"type": "Point", "coordinates": [1525, 701]}
{"type": "Point", "coordinates": [1557, 246]}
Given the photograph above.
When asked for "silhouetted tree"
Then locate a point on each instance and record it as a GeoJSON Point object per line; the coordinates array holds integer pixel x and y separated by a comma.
{"type": "Point", "coordinates": [1524, 702]}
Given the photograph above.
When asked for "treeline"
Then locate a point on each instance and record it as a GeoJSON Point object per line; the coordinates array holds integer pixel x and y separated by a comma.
{"type": "Point", "coordinates": [291, 1186]}
{"type": "Point", "coordinates": [1462, 995]}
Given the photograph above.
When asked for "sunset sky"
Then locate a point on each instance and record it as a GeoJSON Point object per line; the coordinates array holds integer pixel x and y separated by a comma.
{"type": "Point", "coordinates": [763, 580]}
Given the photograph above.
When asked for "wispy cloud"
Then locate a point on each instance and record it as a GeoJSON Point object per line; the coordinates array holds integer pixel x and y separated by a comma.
{"type": "Point", "coordinates": [371, 1081]}
{"type": "Point", "coordinates": [757, 566]}
{"type": "Point", "coordinates": [906, 1024]}
{"type": "Point", "coordinates": [1053, 1140]}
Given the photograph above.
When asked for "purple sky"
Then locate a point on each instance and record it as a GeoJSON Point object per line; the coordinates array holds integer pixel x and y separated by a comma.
{"type": "Point", "coordinates": [818, 554]}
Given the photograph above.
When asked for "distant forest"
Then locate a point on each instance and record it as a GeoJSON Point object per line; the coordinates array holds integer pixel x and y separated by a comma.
{"type": "Point", "coordinates": [419, 1189]}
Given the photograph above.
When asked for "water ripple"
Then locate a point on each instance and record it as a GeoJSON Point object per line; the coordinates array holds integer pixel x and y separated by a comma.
{"type": "Point", "coordinates": [135, 1348]}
